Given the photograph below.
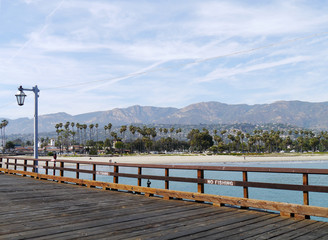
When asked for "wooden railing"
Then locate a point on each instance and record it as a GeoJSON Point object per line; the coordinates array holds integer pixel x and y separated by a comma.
{"type": "Point", "coordinates": [59, 169]}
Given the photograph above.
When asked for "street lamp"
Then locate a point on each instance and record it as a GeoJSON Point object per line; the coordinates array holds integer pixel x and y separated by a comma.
{"type": "Point", "coordinates": [20, 96]}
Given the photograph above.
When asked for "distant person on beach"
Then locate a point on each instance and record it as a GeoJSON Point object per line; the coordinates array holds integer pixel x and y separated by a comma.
{"type": "Point", "coordinates": [55, 157]}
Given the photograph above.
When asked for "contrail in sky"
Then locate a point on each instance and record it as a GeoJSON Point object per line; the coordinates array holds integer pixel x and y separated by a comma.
{"type": "Point", "coordinates": [41, 31]}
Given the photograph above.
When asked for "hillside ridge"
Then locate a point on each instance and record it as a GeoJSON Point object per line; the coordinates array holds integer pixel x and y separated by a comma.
{"type": "Point", "coordinates": [297, 113]}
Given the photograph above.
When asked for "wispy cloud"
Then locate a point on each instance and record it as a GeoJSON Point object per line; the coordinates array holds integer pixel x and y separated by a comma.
{"type": "Point", "coordinates": [224, 73]}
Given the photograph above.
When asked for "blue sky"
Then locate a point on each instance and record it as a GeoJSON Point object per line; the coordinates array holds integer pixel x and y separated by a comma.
{"type": "Point", "coordinates": [98, 55]}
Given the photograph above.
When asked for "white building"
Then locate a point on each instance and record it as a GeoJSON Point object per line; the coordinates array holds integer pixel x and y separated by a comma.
{"type": "Point", "coordinates": [52, 142]}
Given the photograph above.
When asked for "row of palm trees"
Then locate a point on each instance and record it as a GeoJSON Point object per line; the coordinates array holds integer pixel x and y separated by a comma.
{"type": "Point", "coordinates": [90, 132]}
{"type": "Point", "coordinates": [88, 135]}
{"type": "Point", "coordinates": [226, 140]}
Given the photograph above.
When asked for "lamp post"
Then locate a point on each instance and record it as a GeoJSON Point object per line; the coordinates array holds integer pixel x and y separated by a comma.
{"type": "Point", "coordinates": [20, 95]}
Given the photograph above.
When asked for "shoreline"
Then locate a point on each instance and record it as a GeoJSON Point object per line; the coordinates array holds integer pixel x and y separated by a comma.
{"type": "Point", "coordinates": [162, 159]}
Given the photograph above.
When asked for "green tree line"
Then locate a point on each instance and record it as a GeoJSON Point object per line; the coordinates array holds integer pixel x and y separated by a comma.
{"type": "Point", "coordinates": [146, 139]}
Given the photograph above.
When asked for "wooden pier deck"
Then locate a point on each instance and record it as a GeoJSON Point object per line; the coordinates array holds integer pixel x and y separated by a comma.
{"type": "Point", "coordinates": [34, 209]}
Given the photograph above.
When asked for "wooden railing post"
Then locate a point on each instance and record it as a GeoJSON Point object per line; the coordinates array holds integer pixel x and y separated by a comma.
{"type": "Point", "coordinates": [34, 169]}
{"type": "Point", "coordinates": [61, 170]}
{"type": "Point", "coordinates": [245, 179]}
{"type": "Point", "coordinates": [115, 178]}
{"type": "Point", "coordinates": [306, 193]}
{"type": "Point", "coordinates": [167, 183]}
{"type": "Point", "coordinates": [15, 166]}
{"type": "Point", "coordinates": [139, 179]}
{"type": "Point", "coordinates": [47, 165]}
{"type": "Point", "coordinates": [77, 171]}
{"type": "Point", "coordinates": [139, 173]}
{"type": "Point", "coordinates": [167, 173]}
{"type": "Point", "coordinates": [200, 186]}
{"type": "Point", "coordinates": [54, 169]}
{"type": "Point", "coordinates": [0, 162]}
{"type": "Point", "coordinates": [25, 165]}
{"type": "Point", "coordinates": [7, 163]}
{"type": "Point", "coordinates": [94, 172]}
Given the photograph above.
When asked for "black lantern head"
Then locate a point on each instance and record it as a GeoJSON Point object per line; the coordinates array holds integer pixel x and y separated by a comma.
{"type": "Point", "coordinates": [20, 96]}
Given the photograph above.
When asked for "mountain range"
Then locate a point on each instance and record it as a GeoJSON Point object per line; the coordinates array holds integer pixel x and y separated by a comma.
{"type": "Point", "coordinates": [296, 113]}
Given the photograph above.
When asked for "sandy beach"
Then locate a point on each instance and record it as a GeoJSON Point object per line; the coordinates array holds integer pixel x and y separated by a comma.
{"type": "Point", "coordinates": [171, 159]}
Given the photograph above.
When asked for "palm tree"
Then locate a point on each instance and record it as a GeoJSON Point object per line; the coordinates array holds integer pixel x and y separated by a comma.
{"type": "Point", "coordinates": [57, 131]}
{"type": "Point", "coordinates": [114, 135]}
{"type": "Point", "coordinates": [58, 127]}
{"type": "Point", "coordinates": [251, 141]}
{"type": "Point", "coordinates": [152, 132]}
{"type": "Point", "coordinates": [222, 134]}
{"type": "Point", "coordinates": [67, 124]}
{"type": "Point", "coordinates": [73, 132]}
{"type": "Point", "coordinates": [165, 130]}
{"type": "Point", "coordinates": [109, 127]}
{"type": "Point", "coordinates": [73, 135]}
{"type": "Point", "coordinates": [96, 126]}
{"type": "Point", "coordinates": [242, 136]}
{"type": "Point", "coordinates": [105, 127]}
{"type": "Point", "coordinates": [122, 130]}
{"type": "Point", "coordinates": [179, 130]}
{"type": "Point", "coordinates": [78, 130]}
{"type": "Point", "coordinates": [132, 129]}
{"type": "Point", "coordinates": [85, 132]}
{"type": "Point", "coordinates": [91, 127]}
{"type": "Point", "coordinates": [217, 139]}
{"type": "Point", "coordinates": [258, 139]}
{"type": "Point", "coordinates": [171, 131]}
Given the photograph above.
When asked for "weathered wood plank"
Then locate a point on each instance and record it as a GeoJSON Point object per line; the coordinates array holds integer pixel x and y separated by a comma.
{"type": "Point", "coordinates": [164, 227]}
{"type": "Point", "coordinates": [200, 226]}
{"type": "Point", "coordinates": [210, 227]}
{"type": "Point", "coordinates": [67, 217]}
{"type": "Point", "coordinates": [130, 226]}
{"type": "Point", "coordinates": [289, 226]}
{"type": "Point", "coordinates": [318, 229]}
{"type": "Point", "coordinates": [250, 230]}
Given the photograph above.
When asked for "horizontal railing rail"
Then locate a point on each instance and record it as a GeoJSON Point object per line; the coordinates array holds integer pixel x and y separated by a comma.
{"type": "Point", "coordinates": [56, 170]}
